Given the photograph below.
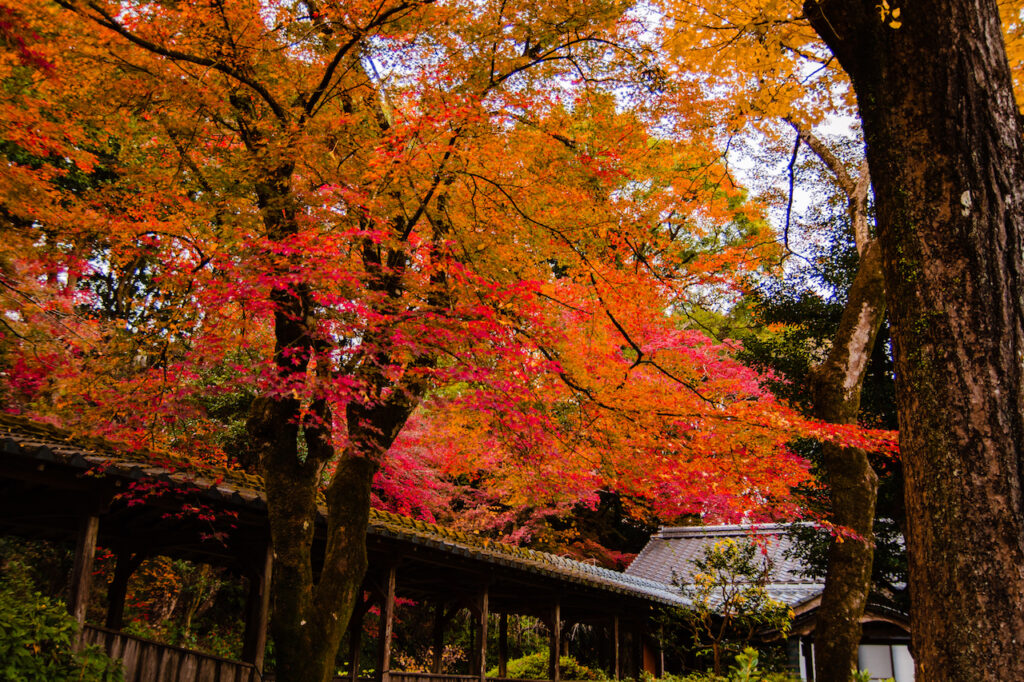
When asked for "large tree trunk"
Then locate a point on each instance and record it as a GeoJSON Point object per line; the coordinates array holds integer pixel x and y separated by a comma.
{"type": "Point", "coordinates": [945, 152]}
{"type": "Point", "coordinates": [310, 613]}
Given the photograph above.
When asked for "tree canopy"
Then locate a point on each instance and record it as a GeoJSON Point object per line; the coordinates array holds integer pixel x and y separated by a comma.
{"type": "Point", "coordinates": [265, 233]}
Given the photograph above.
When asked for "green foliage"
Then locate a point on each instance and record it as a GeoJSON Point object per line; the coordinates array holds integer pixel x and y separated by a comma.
{"type": "Point", "coordinates": [190, 605]}
{"type": "Point", "coordinates": [535, 667]}
{"type": "Point", "coordinates": [865, 676]}
{"type": "Point", "coordinates": [730, 601]}
{"type": "Point", "coordinates": [37, 637]}
{"type": "Point", "coordinates": [745, 670]}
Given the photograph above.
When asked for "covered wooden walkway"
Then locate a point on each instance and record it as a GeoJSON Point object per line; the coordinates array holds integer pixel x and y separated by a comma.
{"type": "Point", "coordinates": [138, 505]}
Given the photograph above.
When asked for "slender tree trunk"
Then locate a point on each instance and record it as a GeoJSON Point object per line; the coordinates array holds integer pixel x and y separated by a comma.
{"type": "Point", "coordinates": [946, 157]}
{"type": "Point", "coordinates": [852, 482]}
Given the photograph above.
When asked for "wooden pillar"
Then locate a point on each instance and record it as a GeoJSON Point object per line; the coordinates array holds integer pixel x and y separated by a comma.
{"type": "Point", "coordinates": [355, 637]}
{"type": "Point", "coordinates": [661, 652]}
{"type": "Point", "coordinates": [257, 611]}
{"type": "Point", "coordinates": [127, 563]}
{"type": "Point", "coordinates": [387, 626]}
{"type": "Point", "coordinates": [81, 574]}
{"type": "Point", "coordinates": [808, 644]}
{"type": "Point", "coordinates": [638, 652]}
{"type": "Point", "coordinates": [482, 646]}
{"type": "Point", "coordinates": [439, 623]}
{"type": "Point", "coordinates": [503, 645]}
{"type": "Point", "coordinates": [616, 661]}
{"type": "Point", "coordinates": [554, 666]}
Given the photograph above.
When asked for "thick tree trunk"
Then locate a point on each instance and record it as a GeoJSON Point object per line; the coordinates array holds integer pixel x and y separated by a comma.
{"type": "Point", "coordinates": [311, 614]}
{"type": "Point", "coordinates": [946, 157]}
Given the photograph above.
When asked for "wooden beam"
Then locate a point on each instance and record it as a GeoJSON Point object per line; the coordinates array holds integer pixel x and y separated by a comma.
{"type": "Point", "coordinates": [638, 651]}
{"type": "Point", "coordinates": [81, 574]}
{"type": "Point", "coordinates": [554, 665]}
{"type": "Point", "coordinates": [616, 661]}
{"type": "Point", "coordinates": [483, 634]}
{"type": "Point", "coordinates": [503, 645]}
{"type": "Point", "coordinates": [127, 563]}
{"type": "Point", "coordinates": [661, 652]}
{"type": "Point", "coordinates": [387, 628]}
{"type": "Point", "coordinates": [257, 613]}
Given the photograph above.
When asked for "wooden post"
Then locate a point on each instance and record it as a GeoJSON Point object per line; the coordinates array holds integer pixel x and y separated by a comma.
{"type": "Point", "coordinates": [127, 563]}
{"type": "Point", "coordinates": [554, 665]}
{"type": "Point", "coordinates": [387, 627]}
{"type": "Point", "coordinates": [355, 636]}
{"type": "Point", "coordinates": [503, 645]}
{"type": "Point", "coordinates": [474, 650]}
{"type": "Point", "coordinates": [661, 652]}
{"type": "Point", "coordinates": [439, 623]}
{"type": "Point", "coordinates": [254, 646]}
{"type": "Point", "coordinates": [638, 652]}
{"type": "Point", "coordinates": [81, 575]}
{"type": "Point", "coordinates": [616, 662]}
{"type": "Point", "coordinates": [808, 644]}
{"type": "Point", "coordinates": [484, 599]}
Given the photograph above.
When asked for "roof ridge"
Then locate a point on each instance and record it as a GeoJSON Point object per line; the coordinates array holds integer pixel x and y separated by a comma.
{"type": "Point", "coordinates": [724, 530]}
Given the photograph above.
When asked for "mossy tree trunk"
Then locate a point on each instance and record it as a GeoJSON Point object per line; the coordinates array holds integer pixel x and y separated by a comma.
{"type": "Point", "coordinates": [945, 150]}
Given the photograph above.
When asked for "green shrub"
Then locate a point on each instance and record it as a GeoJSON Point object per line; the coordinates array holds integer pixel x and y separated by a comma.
{"type": "Point", "coordinates": [37, 638]}
{"type": "Point", "coordinates": [535, 667]}
{"type": "Point", "coordinates": [745, 670]}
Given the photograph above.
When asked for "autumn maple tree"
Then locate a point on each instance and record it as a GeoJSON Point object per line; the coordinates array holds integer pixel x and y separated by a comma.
{"type": "Point", "coordinates": [323, 213]}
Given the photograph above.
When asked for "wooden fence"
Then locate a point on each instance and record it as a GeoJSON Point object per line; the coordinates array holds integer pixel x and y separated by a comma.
{"type": "Point", "coordinates": [397, 676]}
{"type": "Point", "coordinates": [431, 677]}
{"type": "Point", "coordinates": [148, 661]}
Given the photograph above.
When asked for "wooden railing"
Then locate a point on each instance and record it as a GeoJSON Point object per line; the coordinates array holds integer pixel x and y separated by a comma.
{"type": "Point", "coordinates": [398, 676]}
{"type": "Point", "coordinates": [431, 677]}
{"type": "Point", "coordinates": [148, 661]}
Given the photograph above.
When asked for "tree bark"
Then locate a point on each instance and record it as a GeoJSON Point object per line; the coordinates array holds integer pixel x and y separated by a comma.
{"type": "Point", "coordinates": [836, 386]}
{"type": "Point", "coordinates": [852, 482]}
{"type": "Point", "coordinates": [945, 152]}
{"type": "Point", "coordinates": [310, 615]}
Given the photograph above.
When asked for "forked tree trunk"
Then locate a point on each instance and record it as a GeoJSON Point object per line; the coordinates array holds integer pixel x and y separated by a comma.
{"type": "Point", "coordinates": [946, 157]}
{"type": "Point", "coordinates": [310, 613]}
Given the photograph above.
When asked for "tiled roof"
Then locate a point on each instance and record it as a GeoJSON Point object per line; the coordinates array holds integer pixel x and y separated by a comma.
{"type": "Point", "coordinates": [669, 554]}
{"type": "Point", "coordinates": [44, 443]}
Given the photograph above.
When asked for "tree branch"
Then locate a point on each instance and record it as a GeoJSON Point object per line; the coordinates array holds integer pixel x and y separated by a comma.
{"type": "Point", "coordinates": [107, 21]}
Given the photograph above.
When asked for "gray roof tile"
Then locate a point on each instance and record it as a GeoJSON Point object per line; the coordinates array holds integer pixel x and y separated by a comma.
{"type": "Point", "coordinates": [669, 554]}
